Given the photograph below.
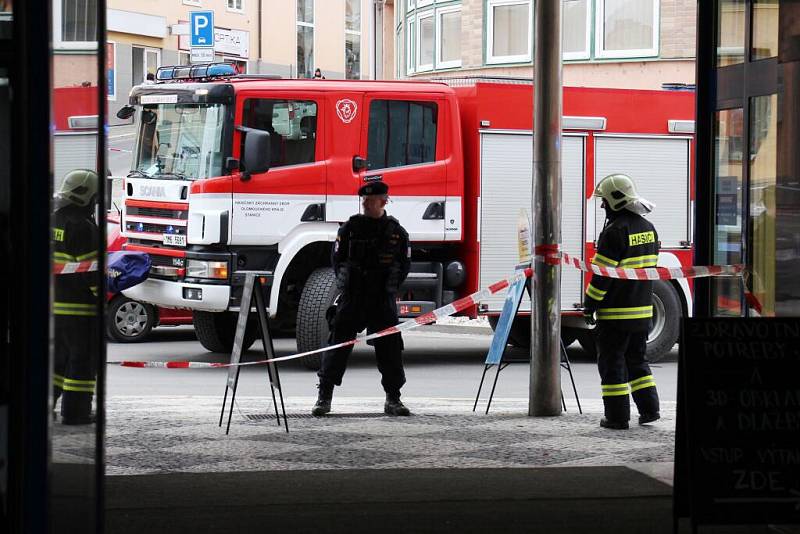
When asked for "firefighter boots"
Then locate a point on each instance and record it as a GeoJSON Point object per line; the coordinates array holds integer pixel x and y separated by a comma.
{"type": "Point", "coordinates": [76, 408]}
{"type": "Point", "coordinates": [394, 406]}
{"type": "Point", "coordinates": [613, 425]}
{"type": "Point", "coordinates": [323, 404]}
{"type": "Point", "coordinates": [649, 418]}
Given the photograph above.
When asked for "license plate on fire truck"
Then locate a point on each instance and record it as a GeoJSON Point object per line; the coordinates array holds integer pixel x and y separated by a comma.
{"type": "Point", "coordinates": [175, 240]}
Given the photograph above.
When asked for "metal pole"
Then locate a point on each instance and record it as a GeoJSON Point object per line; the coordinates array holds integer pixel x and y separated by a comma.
{"type": "Point", "coordinates": [545, 380]}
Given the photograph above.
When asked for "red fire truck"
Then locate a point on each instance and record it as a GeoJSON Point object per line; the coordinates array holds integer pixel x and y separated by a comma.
{"type": "Point", "coordinates": [241, 173]}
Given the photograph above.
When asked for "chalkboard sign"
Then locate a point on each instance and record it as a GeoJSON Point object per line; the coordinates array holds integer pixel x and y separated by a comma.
{"type": "Point", "coordinates": [742, 411]}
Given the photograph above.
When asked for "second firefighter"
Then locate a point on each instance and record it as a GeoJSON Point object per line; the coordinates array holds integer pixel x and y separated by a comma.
{"type": "Point", "coordinates": [371, 259]}
{"type": "Point", "coordinates": [624, 307]}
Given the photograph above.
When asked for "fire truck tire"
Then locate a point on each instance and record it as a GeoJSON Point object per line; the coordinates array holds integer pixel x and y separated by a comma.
{"type": "Point", "coordinates": [312, 333]}
{"type": "Point", "coordinates": [129, 321]}
{"type": "Point", "coordinates": [665, 328]}
{"type": "Point", "coordinates": [216, 331]}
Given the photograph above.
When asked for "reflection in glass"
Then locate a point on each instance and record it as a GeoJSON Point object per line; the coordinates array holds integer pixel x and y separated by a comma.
{"type": "Point", "coordinates": [305, 51]}
{"type": "Point", "coordinates": [6, 18]}
{"type": "Point", "coordinates": [75, 240]}
{"type": "Point", "coordinates": [728, 145]}
{"type": "Point", "coordinates": [628, 25]}
{"type": "Point", "coordinates": [352, 54]}
{"type": "Point", "coordinates": [575, 13]}
{"type": "Point", "coordinates": [763, 166]}
{"type": "Point", "coordinates": [730, 32]}
{"type": "Point", "coordinates": [510, 35]}
{"type": "Point", "coordinates": [765, 29]}
{"type": "Point", "coordinates": [180, 141]}
{"type": "Point", "coordinates": [450, 38]}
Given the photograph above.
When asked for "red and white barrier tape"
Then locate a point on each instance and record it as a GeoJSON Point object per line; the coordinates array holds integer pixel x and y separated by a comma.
{"type": "Point", "coordinates": [456, 306]}
{"type": "Point", "coordinates": [650, 273]}
{"type": "Point", "coordinates": [75, 267]}
{"type": "Point", "coordinates": [551, 255]}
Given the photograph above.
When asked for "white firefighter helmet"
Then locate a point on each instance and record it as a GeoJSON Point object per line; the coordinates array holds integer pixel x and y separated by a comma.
{"type": "Point", "coordinates": [619, 191]}
{"type": "Point", "coordinates": [78, 187]}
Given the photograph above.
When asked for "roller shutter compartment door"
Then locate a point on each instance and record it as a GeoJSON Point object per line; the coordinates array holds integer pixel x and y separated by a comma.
{"type": "Point", "coordinates": [506, 180]}
{"type": "Point", "coordinates": [73, 151]}
{"type": "Point", "coordinates": [660, 168]}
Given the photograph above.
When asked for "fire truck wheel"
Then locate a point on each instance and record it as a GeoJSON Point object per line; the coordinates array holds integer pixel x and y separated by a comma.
{"type": "Point", "coordinates": [666, 321]}
{"type": "Point", "coordinates": [129, 321]}
{"type": "Point", "coordinates": [216, 331]}
{"type": "Point", "coordinates": [318, 294]}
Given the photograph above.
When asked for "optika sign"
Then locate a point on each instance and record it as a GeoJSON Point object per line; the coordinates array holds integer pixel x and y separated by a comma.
{"type": "Point", "coordinates": [152, 191]}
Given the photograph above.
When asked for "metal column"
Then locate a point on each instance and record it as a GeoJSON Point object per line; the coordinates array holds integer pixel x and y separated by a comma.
{"type": "Point", "coordinates": [545, 379]}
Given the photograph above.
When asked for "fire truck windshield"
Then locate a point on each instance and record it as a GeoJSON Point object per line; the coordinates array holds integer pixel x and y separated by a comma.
{"type": "Point", "coordinates": [179, 141]}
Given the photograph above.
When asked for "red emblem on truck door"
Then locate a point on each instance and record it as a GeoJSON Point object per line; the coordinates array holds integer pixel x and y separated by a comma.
{"type": "Point", "coordinates": [346, 110]}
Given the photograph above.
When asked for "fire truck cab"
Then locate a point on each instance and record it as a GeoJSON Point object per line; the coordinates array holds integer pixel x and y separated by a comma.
{"type": "Point", "coordinates": [237, 173]}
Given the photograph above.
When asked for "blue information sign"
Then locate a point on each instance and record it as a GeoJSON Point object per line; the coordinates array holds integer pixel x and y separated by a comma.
{"type": "Point", "coordinates": [503, 328]}
{"type": "Point", "coordinates": [201, 29]}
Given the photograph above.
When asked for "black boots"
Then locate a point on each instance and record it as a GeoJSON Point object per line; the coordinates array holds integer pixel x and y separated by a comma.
{"type": "Point", "coordinates": [613, 425]}
{"type": "Point", "coordinates": [323, 404]}
{"type": "Point", "coordinates": [394, 406]}
{"type": "Point", "coordinates": [649, 418]}
{"type": "Point", "coordinates": [76, 408]}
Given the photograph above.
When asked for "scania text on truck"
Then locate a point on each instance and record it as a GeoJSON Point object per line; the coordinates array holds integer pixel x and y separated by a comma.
{"type": "Point", "coordinates": [235, 173]}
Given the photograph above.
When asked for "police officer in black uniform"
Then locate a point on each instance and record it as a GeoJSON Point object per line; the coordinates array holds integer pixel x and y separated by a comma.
{"type": "Point", "coordinates": [371, 258]}
{"type": "Point", "coordinates": [75, 239]}
{"type": "Point", "coordinates": [624, 308]}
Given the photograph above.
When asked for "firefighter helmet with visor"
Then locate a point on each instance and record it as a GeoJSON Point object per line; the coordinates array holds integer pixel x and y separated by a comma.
{"type": "Point", "coordinates": [617, 190]}
{"type": "Point", "coordinates": [78, 187]}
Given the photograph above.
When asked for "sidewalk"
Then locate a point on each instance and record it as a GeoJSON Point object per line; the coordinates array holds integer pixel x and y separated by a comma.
{"type": "Point", "coordinates": [148, 435]}
{"type": "Point", "coordinates": [172, 469]}
{"type": "Point", "coordinates": [445, 469]}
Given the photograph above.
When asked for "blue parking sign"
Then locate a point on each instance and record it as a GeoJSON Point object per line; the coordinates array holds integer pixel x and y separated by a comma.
{"type": "Point", "coordinates": [201, 29]}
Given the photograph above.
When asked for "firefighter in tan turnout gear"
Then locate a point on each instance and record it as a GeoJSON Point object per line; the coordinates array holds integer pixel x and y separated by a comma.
{"type": "Point", "coordinates": [75, 239]}
{"type": "Point", "coordinates": [624, 308]}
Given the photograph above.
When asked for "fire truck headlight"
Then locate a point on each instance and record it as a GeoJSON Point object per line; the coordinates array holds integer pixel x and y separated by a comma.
{"type": "Point", "coordinates": [217, 270]}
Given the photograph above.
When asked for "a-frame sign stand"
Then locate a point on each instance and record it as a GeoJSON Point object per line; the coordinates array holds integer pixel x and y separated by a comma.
{"type": "Point", "coordinates": [253, 291]}
{"type": "Point", "coordinates": [497, 350]}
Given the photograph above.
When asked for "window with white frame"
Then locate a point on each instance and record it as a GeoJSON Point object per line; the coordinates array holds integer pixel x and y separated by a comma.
{"type": "Point", "coordinates": [305, 38]}
{"type": "Point", "coordinates": [509, 31]}
{"type": "Point", "coordinates": [448, 40]}
{"type": "Point", "coordinates": [352, 39]}
{"type": "Point", "coordinates": [626, 28]}
{"type": "Point", "coordinates": [410, 34]}
{"type": "Point", "coordinates": [191, 2]}
{"type": "Point", "coordinates": [75, 24]}
{"type": "Point", "coordinates": [425, 41]}
{"type": "Point", "coordinates": [576, 17]}
{"type": "Point", "coordinates": [235, 5]}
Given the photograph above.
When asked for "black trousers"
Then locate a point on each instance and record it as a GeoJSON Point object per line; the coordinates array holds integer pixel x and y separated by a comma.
{"type": "Point", "coordinates": [624, 371]}
{"type": "Point", "coordinates": [75, 363]}
{"type": "Point", "coordinates": [373, 312]}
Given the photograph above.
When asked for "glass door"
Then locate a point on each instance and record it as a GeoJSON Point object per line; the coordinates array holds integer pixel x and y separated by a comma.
{"type": "Point", "coordinates": [744, 160]}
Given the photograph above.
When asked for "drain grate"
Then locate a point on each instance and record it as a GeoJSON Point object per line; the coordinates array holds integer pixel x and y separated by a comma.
{"type": "Point", "coordinates": [271, 416]}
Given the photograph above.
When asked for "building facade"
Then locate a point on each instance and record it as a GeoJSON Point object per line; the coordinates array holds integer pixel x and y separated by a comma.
{"type": "Point", "coordinates": [281, 37]}
{"type": "Point", "coordinates": [637, 44]}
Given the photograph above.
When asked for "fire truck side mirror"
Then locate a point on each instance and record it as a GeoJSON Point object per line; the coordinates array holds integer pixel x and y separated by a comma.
{"type": "Point", "coordinates": [126, 112]}
{"type": "Point", "coordinates": [256, 158]}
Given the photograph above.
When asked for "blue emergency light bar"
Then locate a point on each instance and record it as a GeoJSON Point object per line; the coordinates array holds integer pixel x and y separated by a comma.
{"type": "Point", "coordinates": [203, 71]}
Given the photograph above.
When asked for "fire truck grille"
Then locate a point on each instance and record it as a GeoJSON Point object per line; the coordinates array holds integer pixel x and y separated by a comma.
{"type": "Point", "coordinates": [134, 226]}
{"type": "Point", "coordinates": [158, 212]}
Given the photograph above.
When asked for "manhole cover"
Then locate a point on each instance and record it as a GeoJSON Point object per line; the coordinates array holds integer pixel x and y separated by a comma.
{"type": "Point", "coordinates": [271, 416]}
